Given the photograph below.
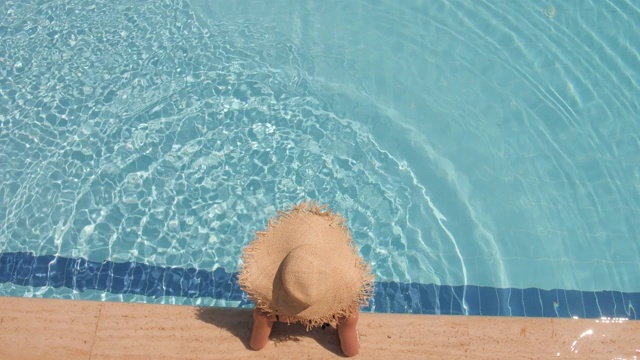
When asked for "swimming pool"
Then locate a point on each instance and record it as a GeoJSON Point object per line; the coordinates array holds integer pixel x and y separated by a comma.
{"type": "Point", "coordinates": [486, 156]}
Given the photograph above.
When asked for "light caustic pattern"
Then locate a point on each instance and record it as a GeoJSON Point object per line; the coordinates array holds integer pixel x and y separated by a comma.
{"type": "Point", "coordinates": [132, 133]}
{"type": "Point", "coordinates": [466, 142]}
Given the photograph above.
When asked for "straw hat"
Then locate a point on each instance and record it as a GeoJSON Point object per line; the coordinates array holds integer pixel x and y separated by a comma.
{"type": "Point", "coordinates": [305, 268]}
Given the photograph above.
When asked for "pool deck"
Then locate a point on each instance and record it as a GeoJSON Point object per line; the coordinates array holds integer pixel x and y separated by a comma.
{"type": "Point", "coordinates": [65, 329]}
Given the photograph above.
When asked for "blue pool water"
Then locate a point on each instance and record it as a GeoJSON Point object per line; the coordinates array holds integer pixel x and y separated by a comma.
{"type": "Point", "coordinates": [486, 155]}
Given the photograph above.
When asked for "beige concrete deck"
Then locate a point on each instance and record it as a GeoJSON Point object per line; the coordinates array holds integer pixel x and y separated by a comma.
{"type": "Point", "coordinates": [63, 329]}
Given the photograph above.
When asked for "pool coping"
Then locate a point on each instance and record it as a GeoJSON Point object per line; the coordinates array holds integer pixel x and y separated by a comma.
{"type": "Point", "coordinates": [77, 329]}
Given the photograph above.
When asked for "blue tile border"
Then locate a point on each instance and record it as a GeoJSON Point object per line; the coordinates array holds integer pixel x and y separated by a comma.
{"type": "Point", "coordinates": [27, 269]}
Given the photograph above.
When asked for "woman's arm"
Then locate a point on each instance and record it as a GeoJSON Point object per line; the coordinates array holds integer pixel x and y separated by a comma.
{"type": "Point", "coordinates": [262, 325]}
{"type": "Point", "coordinates": [349, 337]}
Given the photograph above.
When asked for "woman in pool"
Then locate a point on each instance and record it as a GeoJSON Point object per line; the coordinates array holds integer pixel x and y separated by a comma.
{"type": "Point", "coordinates": [305, 269]}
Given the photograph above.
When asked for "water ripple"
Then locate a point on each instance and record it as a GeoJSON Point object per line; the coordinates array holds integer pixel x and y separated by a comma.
{"type": "Point", "coordinates": [463, 140]}
{"type": "Point", "coordinates": [147, 137]}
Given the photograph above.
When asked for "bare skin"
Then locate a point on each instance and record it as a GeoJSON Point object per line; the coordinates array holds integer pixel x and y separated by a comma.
{"type": "Point", "coordinates": [347, 331]}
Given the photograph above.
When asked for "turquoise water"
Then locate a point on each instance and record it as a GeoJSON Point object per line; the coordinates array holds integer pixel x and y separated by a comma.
{"type": "Point", "coordinates": [467, 142]}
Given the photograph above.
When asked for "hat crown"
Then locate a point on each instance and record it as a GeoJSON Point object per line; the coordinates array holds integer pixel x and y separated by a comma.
{"type": "Point", "coordinates": [305, 275]}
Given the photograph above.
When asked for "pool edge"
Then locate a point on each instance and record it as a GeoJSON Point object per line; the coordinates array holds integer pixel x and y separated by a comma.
{"type": "Point", "coordinates": [74, 329]}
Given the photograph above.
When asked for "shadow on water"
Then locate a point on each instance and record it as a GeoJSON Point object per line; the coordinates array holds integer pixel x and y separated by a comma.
{"type": "Point", "coordinates": [238, 323]}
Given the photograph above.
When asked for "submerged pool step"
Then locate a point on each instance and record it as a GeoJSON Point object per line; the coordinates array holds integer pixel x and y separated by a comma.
{"type": "Point", "coordinates": [79, 274]}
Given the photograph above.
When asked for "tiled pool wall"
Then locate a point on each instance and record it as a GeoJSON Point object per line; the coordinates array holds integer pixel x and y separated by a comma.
{"type": "Point", "coordinates": [27, 269]}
